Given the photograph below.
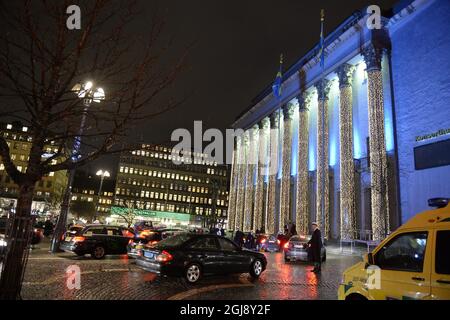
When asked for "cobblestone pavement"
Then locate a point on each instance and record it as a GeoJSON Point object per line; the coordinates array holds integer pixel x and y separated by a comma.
{"type": "Point", "coordinates": [117, 277]}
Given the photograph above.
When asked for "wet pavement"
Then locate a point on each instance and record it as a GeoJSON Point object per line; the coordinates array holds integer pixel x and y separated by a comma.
{"type": "Point", "coordinates": [118, 278]}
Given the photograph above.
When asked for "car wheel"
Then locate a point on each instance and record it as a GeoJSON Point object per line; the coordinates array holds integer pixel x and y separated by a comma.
{"type": "Point", "coordinates": [98, 253]}
{"type": "Point", "coordinates": [256, 268]}
{"type": "Point", "coordinates": [193, 273]}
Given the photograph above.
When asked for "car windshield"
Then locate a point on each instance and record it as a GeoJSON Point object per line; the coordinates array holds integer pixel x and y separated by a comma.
{"type": "Point", "coordinates": [174, 241]}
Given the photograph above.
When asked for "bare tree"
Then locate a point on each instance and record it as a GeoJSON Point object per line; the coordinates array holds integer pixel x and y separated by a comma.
{"type": "Point", "coordinates": [40, 62]}
{"type": "Point", "coordinates": [129, 214]}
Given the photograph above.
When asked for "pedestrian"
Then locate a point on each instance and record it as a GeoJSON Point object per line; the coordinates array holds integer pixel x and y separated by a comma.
{"type": "Point", "coordinates": [293, 230]}
{"type": "Point", "coordinates": [315, 247]}
{"type": "Point", "coordinates": [239, 238]}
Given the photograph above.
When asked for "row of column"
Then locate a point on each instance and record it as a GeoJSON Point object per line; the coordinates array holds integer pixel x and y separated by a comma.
{"type": "Point", "coordinates": [256, 160]}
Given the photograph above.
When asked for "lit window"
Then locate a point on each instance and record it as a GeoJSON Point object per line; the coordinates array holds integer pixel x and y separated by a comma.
{"type": "Point", "coordinates": [19, 168]}
{"type": "Point", "coordinates": [2, 166]}
{"type": "Point", "coordinates": [9, 126]}
{"type": "Point", "coordinates": [24, 129]}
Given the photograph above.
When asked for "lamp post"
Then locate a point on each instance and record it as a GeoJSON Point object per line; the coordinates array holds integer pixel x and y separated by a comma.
{"type": "Point", "coordinates": [88, 93]}
{"type": "Point", "coordinates": [102, 174]}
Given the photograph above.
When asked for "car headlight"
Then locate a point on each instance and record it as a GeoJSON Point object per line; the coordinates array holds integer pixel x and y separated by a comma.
{"type": "Point", "coordinates": [3, 243]}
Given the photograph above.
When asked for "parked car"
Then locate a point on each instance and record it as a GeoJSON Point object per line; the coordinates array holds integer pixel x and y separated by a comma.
{"type": "Point", "coordinates": [195, 255]}
{"type": "Point", "coordinates": [297, 249]}
{"type": "Point", "coordinates": [135, 246]}
{"type": "Point", "coordinates": [268, 243]}
{"type": "Point", "coordinates": [97, 240]}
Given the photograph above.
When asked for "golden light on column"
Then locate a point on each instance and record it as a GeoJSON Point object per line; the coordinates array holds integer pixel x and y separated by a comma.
{"type": "Point", "coordinates": [378, 159]}
{"type": "Point", "coordinates": [347, 181]}
{"type": "Point", "coordinates": [241, 182]}
{"type": "Point", "coordinates": [273, 170]}
{"type": "Point", "coordinates": [233, 189]}
{"type": "Point", "coordinates": [323, 194]}
{"type": "Point", "coordinates": [302, 196]}
{"type": "Point", "coordinates": [288, 112]}
{"type": "Point", "coordinates": [262, 163]}
{"type": "Point", "coordinates": [250, 177]}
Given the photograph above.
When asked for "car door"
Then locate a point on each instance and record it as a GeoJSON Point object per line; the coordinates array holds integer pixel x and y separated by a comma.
{"type": "Point", "coordinates": [234, 259]}
{"type": "Point", "coordinates": [440, 275]}
{"type": "Point", "coordinates": [402, 267]}
{"type": "Point", "coordinates": [117, 243]}
{"type": "Point", "coordinates": [206, 250]}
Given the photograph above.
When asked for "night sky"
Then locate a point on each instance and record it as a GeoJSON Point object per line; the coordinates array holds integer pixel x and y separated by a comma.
{"type": "Point", "coordinates": [235, 54]}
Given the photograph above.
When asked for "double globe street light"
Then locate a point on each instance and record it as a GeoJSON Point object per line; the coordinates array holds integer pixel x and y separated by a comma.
{"type": "Point", "coordinates": [88, 93]}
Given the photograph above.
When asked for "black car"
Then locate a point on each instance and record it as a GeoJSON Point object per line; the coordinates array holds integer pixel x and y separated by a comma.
{"type": "Point", "coordinates": [149, 237]}
{"type": "Point", "coordinates": [97, 240]}
{"type": "Point", "coordinates": [193, 255]}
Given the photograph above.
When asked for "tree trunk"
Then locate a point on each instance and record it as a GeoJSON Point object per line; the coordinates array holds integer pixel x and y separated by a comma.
{"type": "Point", "coordinates": [18, 237]}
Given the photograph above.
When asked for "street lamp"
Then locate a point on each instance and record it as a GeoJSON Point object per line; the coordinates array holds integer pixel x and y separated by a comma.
{"type": "Point", "coordinates": [102, 174]}
{"type": "Point", "coordinates": [89, 93]}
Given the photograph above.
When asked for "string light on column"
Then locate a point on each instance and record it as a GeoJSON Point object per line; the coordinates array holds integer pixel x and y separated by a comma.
{"type": "Point", "coordinates": [378, 160]}
{"type": "Point", "coordinates": [285, 193]}
{"type": "Point", "coordinates": [233, 189]}
{"type": "Point", "coordinates": [302, 195]}
{"type": "Point", "coordinates": [250, 176]}
{"type": "Point", "coordinates": [260, 174]}
{"type": "Point", "coordinates": [347, 182]}
{"type": "Point", "coordinates": [273, 165]}
{"type": "Point", "coordinates": [323, 202]}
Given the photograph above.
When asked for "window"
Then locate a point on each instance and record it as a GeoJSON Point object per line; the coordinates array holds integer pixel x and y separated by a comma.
{"type": "Point", "coordinates": [442, 252]}
{"type": "Point", "coordinates": [405, 252]}
{"type": "Point", "coordinates": [227, 245]}
{"type": "Point", "coordinates": [207, 243]}
{"type": "Point", "coordinates": [95, 230]}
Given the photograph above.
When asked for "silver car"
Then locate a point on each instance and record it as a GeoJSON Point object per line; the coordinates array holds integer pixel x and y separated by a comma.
{"type": "Point", "coordinates": [297, 249]}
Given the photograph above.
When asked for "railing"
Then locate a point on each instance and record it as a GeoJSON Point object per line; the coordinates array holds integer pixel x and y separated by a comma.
{"type": "Point", "coordinates": [361, 236]}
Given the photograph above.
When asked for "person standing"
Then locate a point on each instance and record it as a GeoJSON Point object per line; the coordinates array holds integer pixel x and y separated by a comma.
{"type": "Point", "coordinates": [315, 246]}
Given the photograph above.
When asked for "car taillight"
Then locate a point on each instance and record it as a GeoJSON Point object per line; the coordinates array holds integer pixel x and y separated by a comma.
{"type": "Point", "coordinates": [79, 239]}
{"type": "Point", "coordinates": [263, 240]}
{"type": "Point", "coordinates": [164, 257]}
{"type": "Point", "coordinates": [286, 245]}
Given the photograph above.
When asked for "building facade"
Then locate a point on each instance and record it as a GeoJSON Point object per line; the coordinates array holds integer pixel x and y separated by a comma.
{"type": "Point", "coordinates": [49, 190]}
{"type": "Point", "coordinates": [158, 189]}
{"type": "Point", "coordinates": [359, 145]}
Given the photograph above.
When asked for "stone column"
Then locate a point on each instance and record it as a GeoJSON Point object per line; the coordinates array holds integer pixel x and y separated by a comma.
{"type": "Point", "coordinates": [233, 188]}
{"type": "Point", "coordinates": [377, 145]}
{"type": "Point", "coordinates": [250, 178]}
{"type": "Point", "coordinates": [242, 145]}
{"type": "Point", "coordinates": [302, 198]}
{"type": "Point", "coordinates": [273, 170]}
{"type": "Point", "coordinates": [259, 210]}
{"type": "Point", "coordinates": [285, 216]}
{"type": "Point", "coordinates": [347, 173]}
{"type": "Point", "coordinates": [323, 196]}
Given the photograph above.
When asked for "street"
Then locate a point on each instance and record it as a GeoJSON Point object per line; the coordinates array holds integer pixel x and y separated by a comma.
{"type": "Point", "coordinates": [118, 278]}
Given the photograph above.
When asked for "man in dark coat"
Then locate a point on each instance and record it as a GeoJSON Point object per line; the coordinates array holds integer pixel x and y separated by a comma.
{"type": "Point", "coordinates": [239, 238]}
{"type": "Point", "coordinates": [315, 247]}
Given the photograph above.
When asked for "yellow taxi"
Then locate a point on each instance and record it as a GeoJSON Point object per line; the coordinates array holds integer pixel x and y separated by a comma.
{"type": "Point", "coordinates": [411, 263]}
